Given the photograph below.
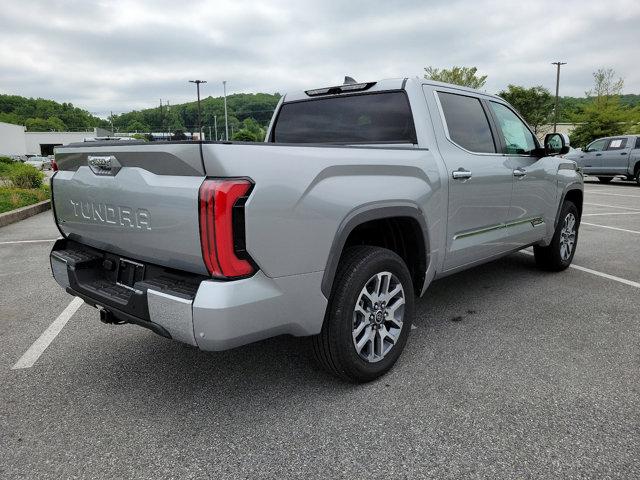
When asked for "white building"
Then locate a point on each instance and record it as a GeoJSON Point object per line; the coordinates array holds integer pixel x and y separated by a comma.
{"type": "Point", "coordinates": [15, 140]}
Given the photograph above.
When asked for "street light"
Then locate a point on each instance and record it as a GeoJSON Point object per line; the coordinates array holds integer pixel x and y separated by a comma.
{"type": "Point", "coordinates": [198, 82]}
{"type": "Point", "coordinates": [226, 120]}
{"type": "Point", "coordinates": [555, 116]}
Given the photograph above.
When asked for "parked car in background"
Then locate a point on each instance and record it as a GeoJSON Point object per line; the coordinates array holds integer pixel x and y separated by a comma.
{"type": "Point", "coordinates": [41, 163]}
{"type": "Point", "coordinates": [610, 157]}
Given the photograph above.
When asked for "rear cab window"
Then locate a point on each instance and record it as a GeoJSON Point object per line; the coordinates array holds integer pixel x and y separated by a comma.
{"type": "Point", "coordinates": [466, 122]}
{"type": "Point", "coordinates": [371, 118]}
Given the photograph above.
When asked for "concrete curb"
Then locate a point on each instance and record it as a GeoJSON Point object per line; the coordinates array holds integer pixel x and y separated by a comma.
{"type": "Point", "coordinates": [24, 212]}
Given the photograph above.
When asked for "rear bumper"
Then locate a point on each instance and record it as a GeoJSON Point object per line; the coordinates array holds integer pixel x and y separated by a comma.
{"type": "Point", "coordinates": [209, 314]}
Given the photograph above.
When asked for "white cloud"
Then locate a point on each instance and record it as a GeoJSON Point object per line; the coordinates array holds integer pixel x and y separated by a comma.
{"type": "Point", "coordinates": [128, 54]}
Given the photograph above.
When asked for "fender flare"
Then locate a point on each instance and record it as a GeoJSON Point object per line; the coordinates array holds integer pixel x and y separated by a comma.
{"type": "Point", "coordinates": [363, 214]}
{"type": "Point", "coordinates": [569, 188]}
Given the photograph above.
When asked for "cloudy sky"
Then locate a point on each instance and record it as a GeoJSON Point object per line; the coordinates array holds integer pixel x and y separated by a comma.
{"type": "Point", "coordinates": [127, 54]}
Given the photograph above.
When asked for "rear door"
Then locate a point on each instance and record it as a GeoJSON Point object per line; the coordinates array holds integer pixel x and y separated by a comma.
{"type": "Point", "coordinates": [615, 157]}
{"type": "Point", "coordinates": [480, 178]}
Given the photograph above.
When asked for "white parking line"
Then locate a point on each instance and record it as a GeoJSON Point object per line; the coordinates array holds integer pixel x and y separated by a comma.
{"type": "Point", "coordinates": [613, 206]}
{"type": "Point", "coordinates": [40, 345]}
{"type": "Point", "coordinates": [12, 242]}
{"type": "Point", "coordinates": [610, 228]}
{"type": "Point", "coordinates": [612, 194]}
{"type": "Point", "coordinates": [609, 213]}
{"type": "Point", "coordinates": [595, 272]}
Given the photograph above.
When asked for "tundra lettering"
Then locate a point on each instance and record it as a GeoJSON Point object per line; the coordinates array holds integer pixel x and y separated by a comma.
{"type": "Point", "coordinates": [104, 213]}
{"type": "Point", "coordinates": [361, 195]}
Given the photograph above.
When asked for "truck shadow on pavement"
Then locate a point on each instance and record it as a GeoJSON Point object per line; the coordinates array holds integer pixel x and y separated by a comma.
{"type": "Point", "coordinates": [148, 366]}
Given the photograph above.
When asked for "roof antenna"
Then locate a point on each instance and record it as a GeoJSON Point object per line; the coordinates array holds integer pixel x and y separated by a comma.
{"type": "Point", "coordinates": [349, 81]}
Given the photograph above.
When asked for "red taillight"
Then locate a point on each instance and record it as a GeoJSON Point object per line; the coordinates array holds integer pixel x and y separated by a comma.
{"type": "Point", "coordinates": [54, 166]}
{"type": "Point", "coordinates": [217, 199]}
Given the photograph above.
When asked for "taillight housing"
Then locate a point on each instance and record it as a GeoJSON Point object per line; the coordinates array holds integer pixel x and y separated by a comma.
{"type": "Point", "coordinates": [54, 165]}
{"type": "Point", "coordinates": [221, 204]}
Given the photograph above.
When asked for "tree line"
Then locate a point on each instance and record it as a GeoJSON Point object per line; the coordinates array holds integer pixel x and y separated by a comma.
{"type": "Point", "coordinates": [41, 115]}
{"type": "Point", "coordinates": [604, 111]}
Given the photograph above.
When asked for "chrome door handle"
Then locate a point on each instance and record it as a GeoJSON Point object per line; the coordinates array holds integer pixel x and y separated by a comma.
{"type": "Point", "coordinates": [461, 174]}
{"type": "Point", "coordinates": [519, 172]}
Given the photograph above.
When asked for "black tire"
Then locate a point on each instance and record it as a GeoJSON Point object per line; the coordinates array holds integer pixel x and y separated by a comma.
{"type": "Point", "coordinates": [605, 179]}
{"type": "Point", "coordinates": [638, 176]}
{"type": "Point", "coordinates": [550, 258]}
{"type": "Point", "coordinates": [334, 346]}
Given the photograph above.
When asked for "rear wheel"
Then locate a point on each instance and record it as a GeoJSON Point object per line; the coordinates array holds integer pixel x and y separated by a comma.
{"type": "Point", "coordinates": [369, 315]}
{"type": "Point", "coordinates": [605, 179]}
{"type": "Point", "coordinates": [559, 254]}
{"type": "Point", "coordinates": [638, 176]}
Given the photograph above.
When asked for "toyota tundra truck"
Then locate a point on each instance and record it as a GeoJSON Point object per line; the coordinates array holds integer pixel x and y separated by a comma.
{"type": "Point", "coordinates": [361, 195]}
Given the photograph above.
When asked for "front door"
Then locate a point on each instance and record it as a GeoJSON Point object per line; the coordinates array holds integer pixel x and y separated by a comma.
{"type": "Point", "coordinates": [480, 179]}
{"type": "Point", "coordinates": [591, 158]}
{"type": "Point", "coordinates": [533, 203]}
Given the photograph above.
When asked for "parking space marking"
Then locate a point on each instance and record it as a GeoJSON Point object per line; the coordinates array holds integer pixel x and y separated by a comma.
{"type": "Point", "coordinates": [40, 345]}
{"type": "Point", "coordinates": [613, 194]}
{"type": "Point", "coordinates": [596, 272]}
{"type": "Point", "coordinates": [612, 206]}
{"type": "Point", "coordinates": [610, 228]}
{"type": "Point", "coordinates": [13, 242]}
{"type": "Point", "coordinates": [607, 214]}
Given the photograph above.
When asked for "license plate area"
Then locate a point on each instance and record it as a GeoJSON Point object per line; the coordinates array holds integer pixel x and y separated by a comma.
{"type": "Point", "coordinates": [129, 273]}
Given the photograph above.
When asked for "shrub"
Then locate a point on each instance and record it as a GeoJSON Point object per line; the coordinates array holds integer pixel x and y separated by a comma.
{"type": "Point", "coordinates": [25, 176]}
{"type": "Point", "coordinates": [6, 160]}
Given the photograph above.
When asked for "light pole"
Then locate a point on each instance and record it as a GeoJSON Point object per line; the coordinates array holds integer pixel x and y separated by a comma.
{"type": "Point", "coordinates": [215, 126]}
{"type": "Point", "coordinates": [226, 120]}
{"type": "Point", "coordinates": [555, 114]}
{"type": "Point", "coordinates": [198, 82]}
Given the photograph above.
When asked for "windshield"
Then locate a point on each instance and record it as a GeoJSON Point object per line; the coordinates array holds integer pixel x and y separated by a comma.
{"type": "Point", "coordinates": [366, 118]}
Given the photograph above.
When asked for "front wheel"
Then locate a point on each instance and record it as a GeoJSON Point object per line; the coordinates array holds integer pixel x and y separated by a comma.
{"type": "Point", "coordinates": [559, 254]}
{"type": "Point", "coordinates": [369, 315]}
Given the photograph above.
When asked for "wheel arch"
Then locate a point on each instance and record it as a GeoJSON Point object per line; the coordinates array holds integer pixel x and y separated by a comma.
{"type": "Point", "coordinates": [408, 217]}
{"type": "Point", "coordinates": [575, 195]}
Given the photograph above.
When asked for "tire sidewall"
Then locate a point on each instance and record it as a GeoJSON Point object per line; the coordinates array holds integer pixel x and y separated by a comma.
{"type": "Point", "coordinates": [343, 308]}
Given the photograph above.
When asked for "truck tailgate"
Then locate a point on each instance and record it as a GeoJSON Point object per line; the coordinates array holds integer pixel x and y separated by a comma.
{"type": "Point", "coordinates": [140, 204]}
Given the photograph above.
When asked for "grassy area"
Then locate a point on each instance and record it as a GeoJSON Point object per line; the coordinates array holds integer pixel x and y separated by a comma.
{"type": "Point", "coordinates": [20, 185]}
{"type": "Point", "coordinates": [12, 198]}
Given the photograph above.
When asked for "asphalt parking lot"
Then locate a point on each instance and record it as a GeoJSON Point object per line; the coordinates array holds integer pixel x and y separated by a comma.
{"type": "Point", "coordinates": [510, 373]}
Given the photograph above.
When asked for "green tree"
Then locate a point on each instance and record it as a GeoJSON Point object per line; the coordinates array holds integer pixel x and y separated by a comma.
{"type": "Point", "coordinates": [137, 126]}
{"type": "Point", "coordinates": [465, 76]}
{"type": "Point", "coordinates": [251, 131]}
{"type": "Point", "coordinates": [535, 104]}
{"type": "Point", "coordinates": [604, 115]}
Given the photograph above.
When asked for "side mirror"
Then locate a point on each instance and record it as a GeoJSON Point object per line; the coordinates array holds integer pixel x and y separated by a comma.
{"type": "Point", "coordinates": [556, 144]}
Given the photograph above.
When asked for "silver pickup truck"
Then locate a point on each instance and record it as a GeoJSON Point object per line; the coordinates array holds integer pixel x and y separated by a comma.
{"type": "Point", "coordinates": [610, 157]}
{"type": "Point", "coordinates": [360, 197]}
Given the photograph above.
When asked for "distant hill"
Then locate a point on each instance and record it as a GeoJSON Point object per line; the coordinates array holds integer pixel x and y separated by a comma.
{"type": "Point", "coordinates": [41, 115]}
{"type": "Point", "coordinates": [241, 107]}
{"type": "Point", "coordinates": [245, 110]}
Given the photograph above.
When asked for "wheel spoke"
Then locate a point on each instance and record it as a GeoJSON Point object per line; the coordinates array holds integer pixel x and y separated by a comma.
{"type": "Point", "coordinates": [378, 316]}
{"type": "Point", "coordinates": [358, 330]}
{"type": "Point", "coordinates": [366, 338]}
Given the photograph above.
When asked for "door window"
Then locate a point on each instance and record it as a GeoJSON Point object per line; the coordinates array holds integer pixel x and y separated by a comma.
{"type": "Point", "coordinates": [517, 137]}
{"type": "Point", "coordinates": [597, 146]}
{"type": "Point", "coordinates": [467, 122]}
{"type": "Point", "coordinates": [617, 144]}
